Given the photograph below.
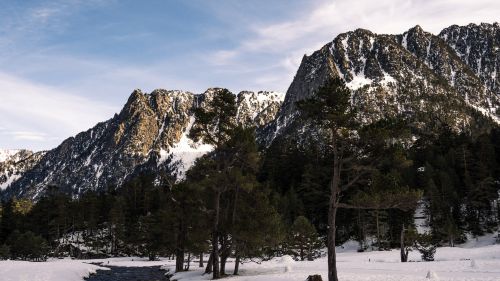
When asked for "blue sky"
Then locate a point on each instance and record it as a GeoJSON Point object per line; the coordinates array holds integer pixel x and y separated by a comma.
{"type": "Point", "coordinates": [68, 64]}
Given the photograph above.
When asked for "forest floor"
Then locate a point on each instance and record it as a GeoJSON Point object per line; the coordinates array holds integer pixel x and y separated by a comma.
{"type": "Point", "coordinates": [477, 260]}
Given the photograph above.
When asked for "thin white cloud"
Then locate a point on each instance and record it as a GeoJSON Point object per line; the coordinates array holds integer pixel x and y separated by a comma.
{"type": "Point", "coordinates": [44, 14]}
{"type": "Point", "coordinates": [43, 115]}
{"type": "Point", "coordinates": [27, 135]}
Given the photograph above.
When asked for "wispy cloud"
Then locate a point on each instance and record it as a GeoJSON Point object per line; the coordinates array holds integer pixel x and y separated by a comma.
{"type": "Point", "coordinates": [25, 135]}
{"type": "Point", "coordinates": [43, 116]}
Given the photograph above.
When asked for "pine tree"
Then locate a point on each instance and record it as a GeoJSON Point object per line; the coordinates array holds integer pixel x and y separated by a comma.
{"type": "Point", "coordinates": [354, 147]}
{"type": "Point", "coordinates": [215, 123]}
{"type": "Point", "coordinates": [303, 241]}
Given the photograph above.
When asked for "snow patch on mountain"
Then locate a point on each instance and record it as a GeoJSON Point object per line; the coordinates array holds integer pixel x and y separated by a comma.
{"type": "Point", "coordinates": [485, 112]}
{"type": "Point", "coordinates": [5, 154]}
{"type": "Point", "coordinates": [9, 181]}
{"type": "Point", "coordinates": [358, 81]}
{"type": "Point", "coordinates": [185, 152]}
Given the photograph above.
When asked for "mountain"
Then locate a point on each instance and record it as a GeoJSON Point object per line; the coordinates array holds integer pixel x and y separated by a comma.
{"type": "Point", "coordinates": [449, 78]}
{"type": "Point", "coordinates": [430, 80]}
{"type": "Point", "coordinates": [150, 133]}
{"type": "Point", "coordinates": [478, 46]}
{"type": "Point", "coordinates": [14, 163]}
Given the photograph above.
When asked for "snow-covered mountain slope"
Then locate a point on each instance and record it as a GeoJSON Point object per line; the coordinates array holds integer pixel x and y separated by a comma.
{"type": "Point", "coordinates": [14, 163]}
{"type": "Point", "coordinates": [418, 75]}
{"type": "Point", "coordinates": [149, 134]}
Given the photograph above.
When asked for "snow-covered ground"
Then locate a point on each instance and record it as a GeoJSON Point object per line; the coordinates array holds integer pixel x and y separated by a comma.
{"type": "Point", "coordinates": [467, 264]}
{"type": "Point", "coordinates": [53, 270]}
{"type": "Point", "coordinates": [460, 263]}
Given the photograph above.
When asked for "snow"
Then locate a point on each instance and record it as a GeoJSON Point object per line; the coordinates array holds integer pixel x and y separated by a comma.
{"type": "Point", "coordinates": [53, 270]}
{"type": "Point", "coordinates": [420, 218]}
{"type": "Point", "coordinates": [263, 96]}
{"type": "Point", "coordinates": [404, 41]}
{"type": "Point", "coordinates": [451, 264]}
{"type": "Point", "coordinates": [484, 111]}
{"type": "Point", "coordinates": [345, 45]}
{"type": "Point", "coordinates": [387, 79]}
{"type": "Point", "coordinates": [252, 104]}
{"type": "Point", "coordinates": [185, 152]}
{"type": "Point", "coordinates": [9, 181]}
{"type": "Point", "coordinates": [482, 241]}
{"type": "Point", "coordinates": [458, 263]}
{"type": "Point", "coordinates": [358, 81]}
{"type": "Point", "coordinates": [98, 171]}
{"type": "Point", "coordinates": [7, 153]}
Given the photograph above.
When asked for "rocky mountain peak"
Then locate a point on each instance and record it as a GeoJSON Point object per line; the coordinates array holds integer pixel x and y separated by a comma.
{"type": "Point", "coordinates": [149, 134]}
{"type": "Point", "coordinates": [404, 74]}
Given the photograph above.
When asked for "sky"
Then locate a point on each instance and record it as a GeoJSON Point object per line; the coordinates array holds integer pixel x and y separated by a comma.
{"type": "Point", "coordinates": [66, 65]}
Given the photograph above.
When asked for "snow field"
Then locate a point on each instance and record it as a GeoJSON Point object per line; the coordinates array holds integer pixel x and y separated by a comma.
{"type": "Point", "coordinates": [461, 264]}
{"type": "Point", "coordinates": [53, 270]}
{"type": "Point", "coordinates": [458, 264]}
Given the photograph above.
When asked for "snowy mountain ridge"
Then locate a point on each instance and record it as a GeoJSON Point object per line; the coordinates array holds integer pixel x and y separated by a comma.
{"type": "Point", "coordinates": [149, 134]}
{"type": "Point", "coordinates": [14, 163]}
{"type": "Point", "coordinates": [450, 78]}
{"type": "Point", "coordinates": [430, 80]}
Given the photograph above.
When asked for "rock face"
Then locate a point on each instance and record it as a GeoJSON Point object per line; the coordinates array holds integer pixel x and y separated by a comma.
{"type": "Point", "coordinates": [14, 163]}
{"type": "Point", "coordinates": [452, 76]}
{"type": "Point", "coordinates": [478, 46]}
{"type": "Point", "coordinates": [150, 133]}
{"type": "Point", "coordinates": [430, 80]}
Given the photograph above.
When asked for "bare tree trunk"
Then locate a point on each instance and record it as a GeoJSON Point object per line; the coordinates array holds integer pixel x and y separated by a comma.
{"type": "Point", "coordinates": [215, 238]}
{"type": "Point", "coordinates": [201, 260]}
{"type": "Point", "coordinates": [209, 267]}
{"type": "Point", "coordinates": [332, 214]}
{"type": "Point", "coordinates": [224, 254]}
{"type": "Point", "coordinates": [223, 260]}
{"type": "Point", "coordinates": [404, 255]}
{"type": "Point", "coordinates": [378, 230]}
{"type": "Point", "coordinates": [236, 264]}
{"type": "Point", "coordinates": [179, 251]}
{"type": "Point", "coordinates": [188, 262]}
{"type": "Point", "coordinates": [179, 260]}
{"type": "Point", "coordinates": [332, 258]}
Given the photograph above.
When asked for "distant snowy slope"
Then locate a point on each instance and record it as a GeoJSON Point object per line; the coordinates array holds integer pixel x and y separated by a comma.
{"type": "Point", "coordinates": [7, 153]}
{"type": "Point", "coordinates": [184, 153]}
{"type": "Point", "coordinates": [14, 163]}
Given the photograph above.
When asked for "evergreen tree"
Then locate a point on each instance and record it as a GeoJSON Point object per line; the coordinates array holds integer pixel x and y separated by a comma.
{"type": "Point", "coordinates": [355, 148]}
{"type": "Point", "coordinates": [303, 241]}
{"type": "Point", "coordinates": [9, 221]}
{"type": "Point", "coordinates": [215, 123]}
